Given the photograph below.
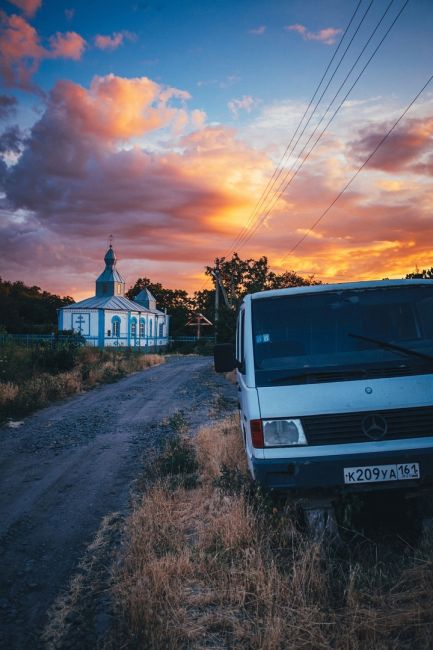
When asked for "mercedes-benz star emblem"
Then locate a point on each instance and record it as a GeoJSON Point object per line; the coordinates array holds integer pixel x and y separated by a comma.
{"type": "Point", "coordinates": [374, 426]}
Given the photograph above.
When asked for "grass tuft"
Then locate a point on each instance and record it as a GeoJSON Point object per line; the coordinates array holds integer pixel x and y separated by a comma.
{"type": "Point", "coordinates": [215, 568]}
{"type": "Point", "coordinates": [32, 378]}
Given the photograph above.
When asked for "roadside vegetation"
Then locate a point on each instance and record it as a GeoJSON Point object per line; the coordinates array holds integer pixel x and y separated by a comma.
{"type": "Point", "coordinates": [208, 562]}
{"type": "Point", "coordinates": [31, 378]}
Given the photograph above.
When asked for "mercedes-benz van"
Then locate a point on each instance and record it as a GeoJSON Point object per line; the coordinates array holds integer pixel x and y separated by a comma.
{"type": "Point", "coordinates": [336, 386]}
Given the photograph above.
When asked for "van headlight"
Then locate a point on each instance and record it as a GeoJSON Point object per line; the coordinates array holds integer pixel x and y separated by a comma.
{"type": "Point", "coordinates": [283, 433]}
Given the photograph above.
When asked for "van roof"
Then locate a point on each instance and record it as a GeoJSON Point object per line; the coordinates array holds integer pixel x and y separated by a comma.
{"type": "Point", "coordinates": [321, 288]}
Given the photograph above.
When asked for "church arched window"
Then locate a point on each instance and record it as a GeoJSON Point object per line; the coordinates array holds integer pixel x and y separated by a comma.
{"type": "Point", "coordinates": [134, 328]}
{"type": "Point", "coordinates": [150, 328]}
{"type": "Point", "coordinates": [116, 325]}
{"type": "Point", "coordinates": [142, 327]}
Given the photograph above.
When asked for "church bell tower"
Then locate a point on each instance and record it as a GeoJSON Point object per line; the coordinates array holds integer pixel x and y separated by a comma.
{"type": "Point", "coordinates": [110, 282]}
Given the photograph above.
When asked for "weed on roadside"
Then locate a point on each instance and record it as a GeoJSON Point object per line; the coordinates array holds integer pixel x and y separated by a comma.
{"type": "Point", "coordinates": [33, 378]}
{"type": "Point", "coordinates": [217, 566]}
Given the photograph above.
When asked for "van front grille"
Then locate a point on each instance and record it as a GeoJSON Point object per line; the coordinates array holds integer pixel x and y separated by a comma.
{"type": "Point", "coordinates": [364, 427]}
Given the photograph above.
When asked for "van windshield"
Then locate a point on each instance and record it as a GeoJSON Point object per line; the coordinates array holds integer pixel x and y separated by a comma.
{"type": "Point", "coordinates": [343, 335]}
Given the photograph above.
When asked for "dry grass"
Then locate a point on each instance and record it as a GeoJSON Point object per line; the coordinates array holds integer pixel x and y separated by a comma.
{"type": "Point", "coordinates": [34, 387]}
{"type": "Point", "coordinates": [8, 392]}
{"type": "Point", "coordinates": [205, 569]}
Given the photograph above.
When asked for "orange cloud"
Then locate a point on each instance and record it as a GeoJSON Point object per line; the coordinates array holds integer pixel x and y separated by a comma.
{"type": "Point", "coordinates": [116, 108]}
{"type": "Point", "coordinates": [112, 42]}
{"type": "Point", "coordinates": [29, 7]}
{"type": "Point", "coordinates": [21, 50]}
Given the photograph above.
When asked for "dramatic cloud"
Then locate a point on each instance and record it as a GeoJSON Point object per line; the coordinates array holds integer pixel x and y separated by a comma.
{"type": "Point", "coordinates": [114, 108]}
{"type": "Point", "coordinates": [76, 181]}
{"type": "Point", "coordinates": [11, 140]}
{"type": "Point", "coordinates": [328, 36]}
{"type": "Point", "coordinates": [405, 144]}
{"type": "Point", "coordinates": [29, 7]}
{"type": "Point", "coordinates": [21, 50]}
{"type": "Point", "coordinates": [129, 156]}
{"type": "Point", "coordinates": [247, 103]}
{"type": "Point", "coordinates": [257, 31]}
{"type": "Point", "coordinates": [112, 42]}
{"type": "Point", "coordinates": [8, 106]}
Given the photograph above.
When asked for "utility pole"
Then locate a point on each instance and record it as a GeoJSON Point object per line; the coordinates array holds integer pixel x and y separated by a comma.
{"type": "Point", "coordinates": [217, 303]}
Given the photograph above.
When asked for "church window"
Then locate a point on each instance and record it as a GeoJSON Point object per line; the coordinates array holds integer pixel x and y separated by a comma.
{"type": "Point", "coordinates": [161, 330]}
{"type": "Point", "coordinates": [119, 289]}
{"type": "Point", "coordinates": [142, 327]}
{"type": "Point", "coordinates": [116, 326]}
{"type": "Point", "coordinates": [150, 328]}
{"type": "Point", "coordinates": [134, 328]}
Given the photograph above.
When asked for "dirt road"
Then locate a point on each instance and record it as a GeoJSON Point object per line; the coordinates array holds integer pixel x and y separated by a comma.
{"type": "Point", "coordinates": [70, 465]}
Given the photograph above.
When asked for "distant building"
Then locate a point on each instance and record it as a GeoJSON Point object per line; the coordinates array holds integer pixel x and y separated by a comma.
{"type": "Point", "coordinates": [111, 319]}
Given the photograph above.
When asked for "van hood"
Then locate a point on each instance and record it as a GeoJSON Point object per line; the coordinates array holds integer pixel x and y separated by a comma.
{"type": "Point", "coordinates": [345, 396]}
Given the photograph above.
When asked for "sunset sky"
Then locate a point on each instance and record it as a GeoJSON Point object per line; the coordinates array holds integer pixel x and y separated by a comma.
{"type": "Point", "coordinates": [161, 122]}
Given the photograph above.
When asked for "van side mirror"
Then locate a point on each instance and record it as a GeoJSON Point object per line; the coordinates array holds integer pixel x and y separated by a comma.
{"type": "Point", "coordinates": [224, 357]}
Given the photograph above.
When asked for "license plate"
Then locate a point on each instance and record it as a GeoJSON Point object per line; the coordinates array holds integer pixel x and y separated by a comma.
{"type": "Point", "coordinates": [381, 473]}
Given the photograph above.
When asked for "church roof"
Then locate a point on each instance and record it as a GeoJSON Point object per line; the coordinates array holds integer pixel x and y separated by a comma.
{"type": "Point", "coordinates": [144, 295]}
{"type": "Point", "coordinates": [118, 303]}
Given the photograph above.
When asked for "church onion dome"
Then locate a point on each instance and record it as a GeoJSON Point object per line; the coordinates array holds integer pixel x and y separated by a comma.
{"type": "Point", "coordinates": [110, 257]}
{"type": "Point", "coordinates": [110, 282]}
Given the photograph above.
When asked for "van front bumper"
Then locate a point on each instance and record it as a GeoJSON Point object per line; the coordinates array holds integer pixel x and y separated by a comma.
{"type": "Point", "coordinates": [315, 473]}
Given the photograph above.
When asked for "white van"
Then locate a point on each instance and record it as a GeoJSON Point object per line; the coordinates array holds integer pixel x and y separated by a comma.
{"type": "Point", "coordinates": [336, 386]}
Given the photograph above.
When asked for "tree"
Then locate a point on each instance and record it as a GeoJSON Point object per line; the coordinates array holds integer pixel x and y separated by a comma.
{"type": "Point", "coordinates": [176, 301]}
{"type": "Point", "coordinates": [240, 277]}
{"type": "Point", "coordinates": [29, 310]}
{"type": "Point", "coordinates": [425, 274]}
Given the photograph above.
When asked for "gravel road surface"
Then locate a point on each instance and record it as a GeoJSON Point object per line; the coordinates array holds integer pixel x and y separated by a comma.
{"type": "Point", "coordinates": [70, 465]}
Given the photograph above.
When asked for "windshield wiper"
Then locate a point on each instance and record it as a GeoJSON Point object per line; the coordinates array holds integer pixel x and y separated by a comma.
{"type": "Point", "coordinates": [314, 374]}
{"type": "Point", "coordinates": [408, 352]}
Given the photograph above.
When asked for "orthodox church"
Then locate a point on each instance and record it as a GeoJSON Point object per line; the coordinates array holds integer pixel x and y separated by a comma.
{"type": "Point", "coordinates": [111, 319]}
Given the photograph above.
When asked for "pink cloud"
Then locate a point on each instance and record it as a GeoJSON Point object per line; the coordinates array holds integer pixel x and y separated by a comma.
{"type": "Point", "coordinates": [69, 45]}
{"type": "Point", "coordinates": [21, 50]}
{"type": "Point", "coordinates": [29, 7]}
{"type": "Point", "coordinates": [328, 36]}
{"type": "Point", "coordinates": [112, 42]}
{"type": "Point", "coordinates": [404, 146]}
{"type": "Point", "coordinates": [257, 31]}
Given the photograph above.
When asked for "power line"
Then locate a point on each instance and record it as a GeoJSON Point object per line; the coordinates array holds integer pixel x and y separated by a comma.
{"type": "Point", "coordinates": [284, 185]}
{"type": "Point", "coordinates": [366, 161]}
{"type": "Point", "coordinates": [278, 169]}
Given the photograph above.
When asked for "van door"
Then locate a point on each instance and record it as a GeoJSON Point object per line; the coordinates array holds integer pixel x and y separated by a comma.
{"type": "Point", "coordinates": [241, 376]}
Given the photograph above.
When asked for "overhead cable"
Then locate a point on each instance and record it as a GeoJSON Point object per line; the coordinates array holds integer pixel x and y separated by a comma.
{"type": "Point", "coordinates": [285, 183]}
{"type": "Point", "coordinates": [366, 161]}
